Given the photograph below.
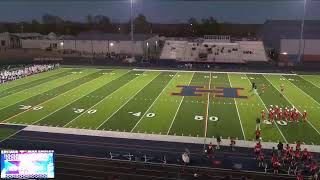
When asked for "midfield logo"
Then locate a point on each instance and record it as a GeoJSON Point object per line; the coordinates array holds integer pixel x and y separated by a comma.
{"type": "Point", "coordinates": [226, 92]}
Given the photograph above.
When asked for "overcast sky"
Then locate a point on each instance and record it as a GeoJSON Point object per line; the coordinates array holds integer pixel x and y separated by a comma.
{"type": "Point", "coordinates": [164, 11]}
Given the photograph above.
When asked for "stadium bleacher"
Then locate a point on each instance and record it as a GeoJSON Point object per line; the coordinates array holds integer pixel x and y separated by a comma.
{"type": "Point", "coordinates": [214, 52]}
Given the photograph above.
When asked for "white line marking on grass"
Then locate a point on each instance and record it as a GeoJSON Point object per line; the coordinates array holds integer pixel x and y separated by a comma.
{"type": "Point", "coordinates": [207, 112]}
{"type": "Point", "coordinates": [63, 94]}
{"type": "Point", "coordinates": [154, 102]}
{"type": "Point", "coordinates": [235, 102]}
{"type": "Point", "coordinates": [102, 99]}
{"type": "Point", "coordinates": [11, 135]}
{"type": "Point", "coordinates": [175, 115]}
{"type": "Point", "coordinates": [304, 92]}
{"type": "Point", "coordinates": [292, 105]}
{"type": "Point", "coordinates": [265, 107]}
{"type": "Point", "coordinates": [33, 95]}
{"type": "Point", "coordinates": [125, 103]}
{"type": "Point", "coordinates": [216, 72]}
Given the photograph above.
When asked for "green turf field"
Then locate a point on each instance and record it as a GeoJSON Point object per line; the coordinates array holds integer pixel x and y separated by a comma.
{"type": "Point", "coordinates": [142, 101]}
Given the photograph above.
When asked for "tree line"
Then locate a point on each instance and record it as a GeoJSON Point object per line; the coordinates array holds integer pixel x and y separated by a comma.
{"type": "Point", "coordinates": [192, 28]}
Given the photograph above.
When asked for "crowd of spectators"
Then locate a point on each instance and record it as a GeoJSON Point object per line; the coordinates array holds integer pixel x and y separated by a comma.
{"type": "Point", "coordinates": [287, 159]}
{"type": "Point", "coordinates": [12, 73]}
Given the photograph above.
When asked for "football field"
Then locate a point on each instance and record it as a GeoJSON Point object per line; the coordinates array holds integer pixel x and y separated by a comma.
{"type": "Point", "coordinates": [196, 104]}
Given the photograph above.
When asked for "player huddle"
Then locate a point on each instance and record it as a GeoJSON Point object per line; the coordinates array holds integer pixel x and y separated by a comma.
{"type": "Point", "coordinates": [287, 114]}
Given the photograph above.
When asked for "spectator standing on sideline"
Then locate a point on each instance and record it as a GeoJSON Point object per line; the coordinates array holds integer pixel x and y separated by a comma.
{"type": "Point", "coordinates": [280, 149]}
{"type": "Point", "coordinates": [232, 144]}
{"type": "Point", "coordinates": [218, 142]}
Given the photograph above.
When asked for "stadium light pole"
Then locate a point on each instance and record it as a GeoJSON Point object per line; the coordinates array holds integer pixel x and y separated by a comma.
{"type": "Point", "coordinates": [302, 30]}
{"type": "Point", "coordinates": [131, 17]}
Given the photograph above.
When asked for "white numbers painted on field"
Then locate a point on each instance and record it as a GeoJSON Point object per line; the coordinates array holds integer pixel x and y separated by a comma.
{"type": "Point", "coordinates": [92, 111]}
{"type": "Point", "coordinates": [137, 114]}
{"type": "Point", "coordinates": [214, 77]}
{"type": "Point", "coordinates": [251, 78]}
{"type": "Point", "coordinates": [150, 115]}
{"type": "Point", "coordinates": [291, 79]}
{"type": "Point", "coordinates": [106, 73]}
{"type": "Point", "coordinates": [36, 108]}
{"type": "Point", "coordinates": [206, 77]}
{"type": "Point", "coordinates": [282, 79]}
{"type": "Point", "coordinates": [267, 122]}
{"type": "Point", "coordinates": [282, 123]}
{"type": "Point", "coordinates": [137, 74]}
{"type": "Point", "coordinates": [77, 72]}
{"type": "Point", "coordinates": [171, 75]}
{"type": "Point", "coordinates": [26, 107]}
{"type": "Point", "coordinates": [243, 77]}
{"type": "Point", "coordinates": [179, 75]}
{"type": "Point", "coordinates": [198, 118]}
{"type": "Point", "coordinates": [78, 111]}
{"type": "Point", "coordinates": [211, 118]}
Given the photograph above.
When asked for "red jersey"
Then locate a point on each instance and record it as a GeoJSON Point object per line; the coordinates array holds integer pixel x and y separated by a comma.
{"type": "Point", "coordinates": [286, 114]}
{"type": "Point", "coordinates": [258, 133]}
{"type": "Point", "coordinates": [280, 115]}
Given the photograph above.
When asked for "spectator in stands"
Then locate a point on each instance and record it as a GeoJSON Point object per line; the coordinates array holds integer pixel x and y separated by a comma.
{"type": "Point", "coordinates": [280, 148]}
{"type": "Point", "coordinates": [186, 158]}
{"type": "Point", "coordinates": [210, 150]}
{"type": "Point", "coordinates": [232, 144]}
{"type": "Point", "coordinates": [218, 142]}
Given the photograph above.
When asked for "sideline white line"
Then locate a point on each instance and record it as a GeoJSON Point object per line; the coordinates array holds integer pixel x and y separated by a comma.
{"type": "Point", "coordinates": [132, 96]}
{"type": "Point", "coordinates": [153, 102]}
{"type": "Point", "coordinates": [175, 115]}
{"type": "Point", "coordinates": [216, 72]}
{"type": "Point", "coordinates": [244, 135]}
{"type": "Point", "coordinates": [293, 105]}
{"type": "Point", "coordinates": [266, 109]}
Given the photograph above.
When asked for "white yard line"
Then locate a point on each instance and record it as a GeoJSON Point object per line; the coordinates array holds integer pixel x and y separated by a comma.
{"type": "Point", "coordinates": [292, 105]}
{"type": "Point", "coordinates": [244, 135]}
{"type": "Point", "coordinates": [154, 102]}
{"type": "Point", "coordinates": [207, 110]}
{"type": "Point", "coordinates": [221, 72]}
{"type": "Point", "coordinates": [266, 109]}
{"type": "Point", "coordinates": [102, 99]}
{"type": "Point", "coordinates": [125, 103]}
{"type": "Point", "coordinates": [33, 94]}
{"type": "Point", "coordinates": [65, 105]}
{"type": "Point", "coordinates": [310, 82]}
{"type": "Point", "coordinates": [175, 115]}
{"type": "Point", "coordinates": [303, 91]}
